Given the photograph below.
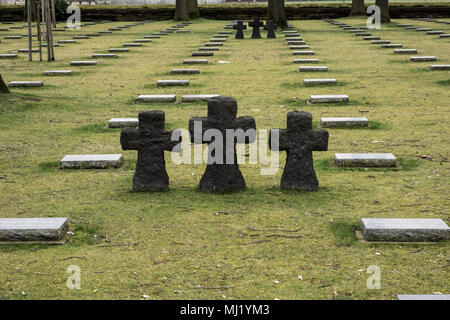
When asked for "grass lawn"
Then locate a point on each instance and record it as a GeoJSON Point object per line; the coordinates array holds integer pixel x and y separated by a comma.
{"type": "Point", "coordinates": [184, 244]}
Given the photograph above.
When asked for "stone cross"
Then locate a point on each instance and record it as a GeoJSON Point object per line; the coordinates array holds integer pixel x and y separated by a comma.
{"type": "Point", "coordinates": [150, 140]}
{"type": "Point", "coordinates": [222, 175]}
{"type": "Point", "coordinates": [239, 27]}
{"type": "Point", "coordinates": [270, 27]}
{"type": "Point", "coordinates": [299, 140]}
{"type": "Point", "coordinates": [256, 24]}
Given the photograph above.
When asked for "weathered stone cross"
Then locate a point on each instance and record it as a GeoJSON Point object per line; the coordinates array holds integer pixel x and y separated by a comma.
{"type": "Point", "coordinates": [221, 174]}
{"type": "Point", "coordinates": [256, 24]}
{"type": "Point", "coordinates": [150, 140]}
{"type": "Point", "coordinates": [240, 27]}
{"type": "Point", "coordinates": [270, 27]}
{"type": "Point", "coordinates": [299, 140]}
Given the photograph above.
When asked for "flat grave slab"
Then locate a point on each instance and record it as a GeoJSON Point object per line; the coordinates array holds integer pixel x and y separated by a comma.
{"type": "Point", "coordinates": [423, 29]}
{"type": "Point", "coordinates": [105, 31]}
{"type": "Point", "coordinates": [103, 55]}
{"type": "Point", "coordinates": [296, 42]}
{"type": "Point", "coordinates": [142, 40]}
{"type": "Point", "coordinates": [371, 38]}
{"type": "Point", "coordinates": [81, 37]}
{"type": "Point", "coordinates": [185, 71]}
{"type": "Point", "coordinates": [25, 84]}
{"type": "Point", "coordinates": [217, 40]}
{"type": "Point", "coordinates": [123, 123]}
{"type": "Point", "coordinates": [319, 81]}
{"type": "Point", "coordinates": [296, 47]}
{"type": "Point", "coordinates": [195, 61]}
{"type": "Point", "coordinates": [422, 58]}
{"type": "Point", "coordinates": [169, 83]}
{"type": "Point", "coordinates": [66, 41]}
{"type": "Point", "coordinates": [365, 160]}
{"type": "Point", "coordinates": [134, 44]}
{"type": "Point", "coordinates": [8, 56]}
{"type": "Point", "coordinates": [182, 31]}
{"type": "Point", "coordinates": [362, 34]}
{"type": "Point", "coordinates": [202, 54]}
{"type": "Point", "coordinates": [444, 35]}
{"type": "Point", "coordinates": [83, 63]}
{"type": "Point", "coordinates": [208, 48]}
{"type": "Point", "coordinates": [337, 122]}
{"type": "Point", "coordinates": [26, 50]}
{"type": "Point", "coordinates": [439, 67]}
{"type": "Point", "coordinates": [13, 37]}
{"type": "Point", "coordinates": [91, 161]}
{"type": "Point", "coordinates": [32, 229]}
{"type": "Point", "coordinates": [392, 45]}
{"type": "Point", "coordinates": [404, 229]}
{"type": "Point", "coordinates": [58, 72]}
{"type": "Point", "coordinates": [213, 44]}
{"type": "Point", "coordinates": [423, 297]}
{"type": "Point", "coordinates": [303, 53]}
{"type": "Point", "coordinates": [313, 69]}
{"type": "Point", "coordinates": [156, 98]}
{"type": "Point", "coordinates": [328, 98]}
{"type": "Point", "coordinates": [306, 60]}
{"type": "Point", "coordinates": [119, 50]}
{"type": "Point", "coordinates": [293, 39]}
{"type": "Point", "coordinates": [405, 51]}
{"type": "Point", "coordinates": [152, 37]}
{"type": "Point", "coordinates": [380, 41]}
{"type": "Point", "coordinates": [197, 97]}
{"type": "Point", "coordinates": [435, 32]}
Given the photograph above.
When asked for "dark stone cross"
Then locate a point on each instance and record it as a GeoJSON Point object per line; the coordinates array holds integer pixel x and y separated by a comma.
{"type": "Point", "coordinates": [150, 140]}
{"type": "Point", "coordinates": [270, 27]}
{"type": "Point", "coordinates": [256, 24]}
{"type": "Point", "coordinates": [239, 27]}
{"type": "Point", "coordinates": [299, 140]}
{"type": "Point", "coordinates": [221, 175]}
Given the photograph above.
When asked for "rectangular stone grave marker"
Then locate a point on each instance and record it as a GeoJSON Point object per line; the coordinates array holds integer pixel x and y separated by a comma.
{"type": "Point", "coordinates": [185, 71]}
{"type": "Point", "coordinates": [81, 37]}
{"type": "Point", "coordinates": [66, 41]}
{"type": "Point", "coordinates": [423, 29]}
{"type": "Point", "coordinates": [103, 55]}
{"type": "Point", "coordinates": [182, 31]}
{"type": "Point", "coordinates": [371, 38]}
{"type": "Point", "coordinates": [8, 55]}
{"type": "Point", "coordinates": [213, 44]}
{"type": "Point", "coordinates": [319, 81]}
{"type": "Point", "coordinates": [13, 37]}
{"type": "Point", "coordinates": [439, 67]}
{"type": "Point", "coordinates": [303, 53]}
{"type": "Point", "coordinates": [404, 230]}
{"type": "Point", "coordinates": [195, 61]}
{"type": "Point", "coordinates": [25, 84]}
{"type": "Point", "coordinates": [202, 54]}
{"type": "Point", "coordinates": [306, 60]}
{"type": "Point", "coordinates": [119, 50]}
{"type": "Point", "coordinates": [197, 97]}
{"type": "Point", "coordinates": [299, 47]}
{"type": "Point", "coordinates": [152, 37]}
{"type": "Point", "coordinates": [435, 32]}
{"type": "Point", "coordinates": [32, 229]}
{"type": "Point", "coordinates": [365, 160]}
{"type": "Point", "coordinates": [142, 40]}
{"type": "Point", "coordinates": [208, 48]}
{"type": "Point", "coordinates": [156, 98]}
{"type": "Point", "coordinates": [297, 42]}
{"type": "Point", "coordinates": [58, 72]}
{"type": "Point", "coordinates": [168, 83]}
{"type": "Point", "coordinates": [328, 98]}
{"type": "Point", "coordinates": [423, 297]}
{"type": "Point", "coordinates": [444, 35]}
{"type": "Point", "coordinates": [422, 58]}
{"type": "Point", "coordinates": [83, 63]}
{"type": "Point", "coordinates": [91, 161]}
{"type": "Point", "coordinates": [132, 44]}
{"type": "Point", "coordinates": [392, 45]}
{"type": "Point", "coordinates": [380, 41]}
{"type": "Point", "coordinates": [344, 122]}
{"type": "Point", "coordinates": [123, 123]}
{"type": "Point", "coordinates": [217, 40]}
{"type": "Point", "coordinates": [313, 69]}
{"type": "Point", "coordinates": [405, 51]}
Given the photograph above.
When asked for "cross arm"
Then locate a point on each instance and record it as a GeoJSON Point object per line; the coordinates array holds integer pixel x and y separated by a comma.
{"type": "Point", "coordinates": [169, 144]}
{"type": "Point", "coordinates": [199, 124]}
{"type": "Point", "coordinates": [247, 124]}
{"type": "Point", "coordinates": [279, 137]}
{"type": "Point", "coordinates": [129, 138]}
{"type": "Point", "coordinates": [319, 140]}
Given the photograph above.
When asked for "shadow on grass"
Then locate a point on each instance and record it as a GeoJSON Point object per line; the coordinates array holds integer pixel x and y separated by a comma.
{"type": "Point", "coordinates": [444, 82]}
{"type": "Point", "coordinates": [402, 165]}
{"type": "Point", "coordinates": [93, 128]}
{"type": "Point", "coordinates": [344, 232]}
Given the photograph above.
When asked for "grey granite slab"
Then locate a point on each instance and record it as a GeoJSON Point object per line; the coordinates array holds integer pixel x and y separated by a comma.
{"type": "Point", "coordinates": [168, 83]}
{"type": "Point", "coordinates": [91, 161]}
{"type": "Point", "coordinates": [103, 55]}
{"type": "Point", "coordinates": [195, 61]}
{"type": "Point", "coordinates": [197, 97]}
{"type": "Point", "coordinates": [202, 54]}
{"type": "Point", "coordinates": [405, 51]}
{"type": "Point", "coordinates": [328, 98]}
{"type": "Point", "coordinates": [156, 98]}
{"type": "Point", "coordinates": [8, 56]}
{"type": "Point", "coordinates": [185, 71]}
{"type": "Point", "coordinates": [404, 229]}
{"type": "Point", "coordinates": [319, 81]}
{"type": "Point", "coordinates": [306, 60]}
{"type": "Point", "coordinates": [58, 72]}
{"type": "Point", "coordinates": [336, 122]}
{"type": "Point", "coordinates": [439, 67]}
{"type": "Point", "coordinates": [25, 84]}
{"type": "Point", "coordinates": [119, 49]}
{"type": "Point", "coordinates": [32, 229]}
{"type": "Point", "coordinates": [123, 123]}
{"type": "Point", "coordinates": [303, 53]}
{"type": "Point", "coordinates": [313, 69]}
{"type": "Point", "coordinates": [365, 160]}
{"type": "Point", "coordinates": [422, 58]}
{"type": "Point", "coordinates": [83, 63]}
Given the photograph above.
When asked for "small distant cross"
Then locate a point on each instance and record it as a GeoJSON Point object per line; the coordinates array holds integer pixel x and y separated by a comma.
{"type": "Point", "coordinates": [299, 140]}
{"type": "Point", "coordinates": [220, 175]}
{"type": "Point", "coordinates": [256, 24]}
{"type": "Point", "coordinates": [150, 140]}
{"type": "Point", "coordinates": [270, 27]}
{"type": "Point", "coordinates": [240, 27]}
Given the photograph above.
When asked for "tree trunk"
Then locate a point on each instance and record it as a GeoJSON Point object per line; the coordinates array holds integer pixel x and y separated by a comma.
{"type": "Point", "coordinates": [181, 10]}
{"type": "Point", "coordinates": [358, 8]}
{"type": "Point", "coordinates": [384, 7]}
{"type": "Point", "coordinates": [277, 13]}
{"type": "Point", "coordinates": [3, 87]}
{"type": "Point", "coordinates": [193, 11]}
